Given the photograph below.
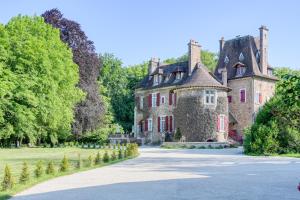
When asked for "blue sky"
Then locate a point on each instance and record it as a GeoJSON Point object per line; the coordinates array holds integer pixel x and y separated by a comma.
{"type": "Point", "coordinates": [135, 30]}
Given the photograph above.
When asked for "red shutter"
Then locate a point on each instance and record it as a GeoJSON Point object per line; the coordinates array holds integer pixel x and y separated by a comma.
{"type": "Point", "coordinates": [157, 99]}
{"type": "Point", "coordinates": [242, 96]}
{"type": "Point", "coordinates": [171, 123]}
{"type": "Point", "coordinates": [260, 98]}
{"type": "Point", "coordinates": [158, 124]}
{"type": "Point", "coordinates": [170, 98]}
{"type": "Point", "coordinates": [175, 99]}
{"type": "Point", "coordinates": [167, 123]}
{"type": "Point", "coordinates": [218, 123]}
{"type": "Point", "coordinates": [149, 100]}
{"type": "Point", "coordinates": [146, 125]}
{"type": "Point", "coordinates": [229, 99]}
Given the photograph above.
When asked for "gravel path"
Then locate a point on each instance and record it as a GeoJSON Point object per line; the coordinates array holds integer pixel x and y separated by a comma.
{"type": "Point", "coordinates": [160, 174]}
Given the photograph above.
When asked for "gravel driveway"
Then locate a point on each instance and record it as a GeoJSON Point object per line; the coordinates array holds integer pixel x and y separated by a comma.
{"type": "Point", "coordinates": [179, 174]}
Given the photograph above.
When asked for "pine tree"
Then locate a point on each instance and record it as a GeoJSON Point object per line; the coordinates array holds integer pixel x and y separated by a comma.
{"type": "Point", "coordinates": [50, 168]}
{"type": "Point", "coordinates": [98, 159]}
{"type": "Point", "coordinates": [79, 162]}
{"type": "Point", "coordinates": [90, 159]}
{"type": "Point", "coordinates": [106, 157]}
{"type": "Point", "coordinates": [64, 166]}
{"type": "Point", "coordinates": [24, 174]}
{"type": "Point", "coordinates": [8, 181]}
{"type": "Point", "coordinates": [39, 169]}
{"type": "Point", "coordinates": [178, 134]}
{"type": "Point", "coordinates": [120, 154]}
{"type": "Point", "coordinates": [114, 155]}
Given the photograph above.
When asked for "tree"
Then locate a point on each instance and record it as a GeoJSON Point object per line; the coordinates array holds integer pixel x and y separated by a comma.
{"type": "Point", "coordinates": [50, 168]}
{"type": "Point", "coordinates": [39, 169]}
{"type": "Point", "coordinates": [38, 101]}
{"type": "Point", "coordinates": [24, 174]}
{"type": "Point", "coordinates": [64, 166]}
{"type": "Point", "coordinates": [178, 134]}
{"type": "Point", "coordinates": [87, 113]}
{"type": "Point", "coordinates": [8, 180]}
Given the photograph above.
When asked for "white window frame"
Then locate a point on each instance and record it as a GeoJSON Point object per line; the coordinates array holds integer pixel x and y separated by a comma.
{"type": "Point", "coordinates": [150, 124]}
{"type": "Point", "coordinates": [141, 102]}
{"type": "Point", "coordinates": [245, 95]}
{"type": "Point", "coordinates": [153, 99]}
{"type": "Point", "coordinates": [178, 76]}
{"type": "Point", "coordinates": [256, 97]}
{"type": "Point", "coordinates": [210, 97]}
{"type": "Point", "coordinates": [161, 100]}
{"type": "Point", "coordinates": [240, 71]}
{"type": "Point", "coordinates": [222, 123]}
{"type": "Point", "coordinates": [162, 124]}
{"type": "Point", "coordinates": [155, 79]}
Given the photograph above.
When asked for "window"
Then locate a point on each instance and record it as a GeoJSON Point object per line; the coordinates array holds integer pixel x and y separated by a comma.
{"type": "Point", "coordinates": [179, 75]}
{"type": "Point", "coordinates": [210, 96]}
{"type": "Point", "coordinates": [270, 72]}
{"type": "Point", "coordinates": [162, 124]}
{"type": "Point", "coordinates": [149, 124]}
{"type": "Point", "coordinates": [258, 98]}
{"type": "Point", "coordinates": [141, 102]}
{"type": "Point", "coordinates": [243, 95]}
{"type": "Point", "coordinates": [154, 97]}
{"type": "Point", "coordinates": [222, 123]}
{"type": "Point", "coordinates": [156, 80]}
{"type": "Point", "coordinates": [240, 71]}
{"type": "Point", "coordinates": [162, 99]}
{"type": "Point", "coordinates": [229, 99]}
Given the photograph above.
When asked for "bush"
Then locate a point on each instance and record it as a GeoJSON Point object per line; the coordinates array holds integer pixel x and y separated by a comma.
{"type": "Point", "coordinates": [98, 159]}
{"type": "Point", "coordinates": [24, 174]}
{"type": "Point", "coordinates": [79, 162]}
{"type": "Point", "coordinates": [39, 169]}
{"type": "Point", "coordinates": [132, 149]}
{"type": "Point", "coordinates": [120, 154]}
{"type": "Point", "coordinates": [113, 155]}
{"type": "Point", "coordinates": [8, 181]}
{"type": "Point", "coordinates": [50, 168]}
{"type": "Point", "coordinates": [106, 157]}
{"type": "Point", "coordinates": [90, 161]}
{"type": "Point", "coordinates": [64, 166]}
{"type": "Point", "coordinates": [177, 135]}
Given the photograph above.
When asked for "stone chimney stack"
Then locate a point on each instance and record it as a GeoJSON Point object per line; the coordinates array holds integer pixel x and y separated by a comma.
{"type": "Point", "coordinates": [194, 55]}
{"type": "Point", "coordinates": [223, 71]}
{"type": "Point", "coordinates": [153, 64]}
{"type": "Point", "coordinates": [263, 48]}
{"type": "Point", "coordinates": [221, 44]}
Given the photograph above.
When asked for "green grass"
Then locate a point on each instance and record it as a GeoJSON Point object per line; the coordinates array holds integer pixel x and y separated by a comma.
{"type": "Point", "coordinates": [15, 158]}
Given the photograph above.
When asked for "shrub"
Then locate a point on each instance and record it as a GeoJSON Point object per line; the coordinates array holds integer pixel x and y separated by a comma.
{"type": "Point", "coordinates": [64, 166]}
{"type": "Point", "coordinates": [8, 181]}
{"type": "Point", "coordinates": [39, 169]}
{"type": "Point", "coordinates": [177, 135]}
{"type": "Point", "coordinates": [106, 157]}
{"type": "Point", "coordinates": [125, 153]}
{"type": "Point", "coordinates": [24, 174]}
{"type": "Point", "coordinates": [79, 162]}
{"type": "Point", "coordinates": [120, 154]}
{"type": "Point", "coordinates": [90, 161]}
{"type": "Point", "coordinates": [114, 155]}
{"type": "Point", "coordinates": [132, 149]}
{"type": "Point", "coordinates": [98, 159]}
{"type": "Point", "coordinates": [50, 168]}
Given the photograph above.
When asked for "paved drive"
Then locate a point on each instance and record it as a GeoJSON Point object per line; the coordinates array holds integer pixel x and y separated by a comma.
{"type": "Point", "coordinates": [160, 174]}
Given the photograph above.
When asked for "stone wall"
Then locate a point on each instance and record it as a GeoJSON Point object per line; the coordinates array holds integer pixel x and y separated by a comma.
{"type": "Point", "coordinates": [198, 122]}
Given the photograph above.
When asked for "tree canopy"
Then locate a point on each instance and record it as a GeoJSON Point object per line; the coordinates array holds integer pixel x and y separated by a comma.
{"type": "Point", "coordinates": [38, 81]}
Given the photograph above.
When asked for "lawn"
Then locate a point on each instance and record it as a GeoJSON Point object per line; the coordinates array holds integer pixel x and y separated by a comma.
{"type": "Point", "coordinates": [15, 158]}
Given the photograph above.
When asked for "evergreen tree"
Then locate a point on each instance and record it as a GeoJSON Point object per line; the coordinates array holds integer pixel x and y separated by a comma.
{"type": "Point", "coordinates": [79, 162]}
{"type": "Point", "coordinates": [178, 134]}
{"type": "Point", "coordinates": [50, 168]}
{"type": "Point", "coordinates": [64, 166]}
{"type": "Point", "coordinates": [24, 174]}
{"type": "Point", "coordinates": [113, 155]}
{"type": "Point", "coordinates": [106, 157]}
{"type": "Point", "coordinates": [98, 159]}
{"type": "Point", "coordinates": [39, 169]}
{"type": "Point", "coordinates": [90, 161]}
{"type": "Point", "coordinates": [8, 181]}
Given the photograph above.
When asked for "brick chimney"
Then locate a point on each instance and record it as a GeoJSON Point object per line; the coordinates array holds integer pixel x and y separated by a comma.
{"type": "Point", "coordinates": [194, 54]}
{"type": "Point", "coordinates": [153, 64]}
{"type": "Point", "coordinates": [221, 44]}
{"type": "Point", "coordinates": [263, 48]}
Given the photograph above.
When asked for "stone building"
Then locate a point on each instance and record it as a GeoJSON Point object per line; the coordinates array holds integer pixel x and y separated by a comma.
{"type": "Point", "coordinates": [203, 105]}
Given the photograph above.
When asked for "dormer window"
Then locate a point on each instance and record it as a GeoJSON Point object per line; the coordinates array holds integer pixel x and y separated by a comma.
{"type": "Point", "coordinates": [179, 75]}
{"type": "Point", "coordinates": [270, 72]}
{"type": "Point", "coordinates": [157, 79]}
{"type": "Point", "coordinates": [226, 60]}
{"type": "Point", "coordinates": [240, 71]}
{"type": "Point", "coordinates": [241, 57]}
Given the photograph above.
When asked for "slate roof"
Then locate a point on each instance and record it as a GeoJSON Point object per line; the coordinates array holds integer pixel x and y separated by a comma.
{"type": "Point", "coordinates": [248, 46]}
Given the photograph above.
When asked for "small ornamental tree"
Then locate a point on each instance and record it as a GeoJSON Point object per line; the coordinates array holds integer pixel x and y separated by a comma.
{"type": "Point", "coordinates": [50, 168]}
{"type": "Point", "coordinates": [8, 181]}
{"type": "Point", "coordinates": [64, 166]}
{"type": "Point", "coordinates": [24, 174]}
{"type": "Point", "coordinates": [39, 169]}
{"type": "Point", "coordinates": [120, 154]}
{"type": "Point", "coordinates": [79, 162]}
{"type": "Point", "coordinates": [90, 161]}
{"type": "Point", "coordinates": [178, 134]}
{"type": "Point", "coordinates": [98, 159]}
{"type": "Point", "coordinates": [106, 157]}
{"type": "Point", "coordinates": [114, 155]}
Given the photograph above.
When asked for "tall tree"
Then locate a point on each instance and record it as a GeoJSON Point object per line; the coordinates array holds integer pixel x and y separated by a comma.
{"type": "Point", "coordinates": [38, 82]}
{"type": "Point", "coordinates": [88, 113]}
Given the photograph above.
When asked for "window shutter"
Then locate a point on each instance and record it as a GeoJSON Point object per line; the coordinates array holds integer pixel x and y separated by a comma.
{"type": "Point", "coordinates": [218, 123]}
{"type": "Point", "coordinates": [141, 126]}
{"type": "Point", "coordinates": [146, 125]}
{"type": "Point", "coordinates": [171, 123]}
{"type": "Point", "coordinates": [167, 123]}
{"type": "Point", "coordinates": [229, 99]}
{"type": "Point", "coordinates": [158, 124]}
{"type": "Point", "coordinates": [170, 98]}
{"type": "Point", "coordinates": [150, 100]}
{"type": "Point", "coordinates": [260, 98]}
{"type": "Point", "coordinates": [242, 96]}
{"type": "Point", "coordinates": [157, 99]}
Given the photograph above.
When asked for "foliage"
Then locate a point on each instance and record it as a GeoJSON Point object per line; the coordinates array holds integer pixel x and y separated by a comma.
{"type": "Point", "coordinates": [64, 166]}
{"type": "Point", "coordinates": [178, 134]}
{"type": "Point", "coordinates": [120, 154]}
{"type": "Point", "coordinates": [90, 161]}
{"type": "Point", "coordinates": [8, 181]}
{"type": "Point", "coordinates": [39, 81]}
{"type": "Point", "coordinates": [24, 177]}
{"type": "Point", "coordinates": [79, 162]}
{"type": "Point", "coordinates": [114, 155]}
{"type": "Point", "coordinates": [50, 168]}
{"type": "Point", "coordinates": [132, 149]}
{"type": "Point", "coordinates": [89, 112]}
{"type": "Point", "coordinates": [209, 59]}
{"type": "Point", "coordinates": [39, 169]}
{"type": "Point", "coordinates": [106, 157]}
{"type": "Point", "coordinates": [98, 159]}
{"type": "Point", "coordinates": [277, 125]}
